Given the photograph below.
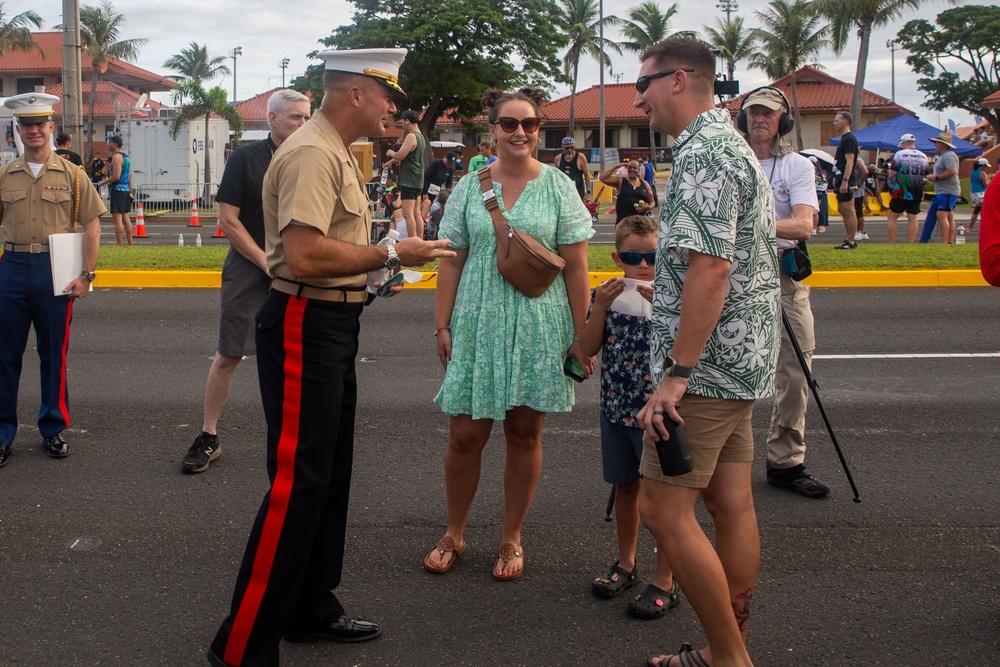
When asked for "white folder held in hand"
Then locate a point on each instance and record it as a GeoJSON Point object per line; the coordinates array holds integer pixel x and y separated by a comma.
{"type": "Point", "coordinates": [66, 255]}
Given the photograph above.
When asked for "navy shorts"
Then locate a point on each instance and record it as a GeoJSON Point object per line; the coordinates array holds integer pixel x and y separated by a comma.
{"type": "Point", "coordinates": [621, 451]}
{"type": "Point", "coordinates": [121, 201]}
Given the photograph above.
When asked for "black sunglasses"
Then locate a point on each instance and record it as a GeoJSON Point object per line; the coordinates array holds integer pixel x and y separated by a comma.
{"type": "Point", "coordinates": [642, 83]}
{"type": "Point", "coordinates": [635, 258]}
{"type": "Point", "coordinates": [509, 125]}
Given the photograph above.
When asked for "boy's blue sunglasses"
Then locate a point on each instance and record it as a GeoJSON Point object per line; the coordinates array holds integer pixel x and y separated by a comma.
{"type": "Point", "coordinates": [635, 258]}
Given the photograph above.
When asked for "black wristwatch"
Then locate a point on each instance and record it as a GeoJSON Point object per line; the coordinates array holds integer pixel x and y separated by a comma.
{"type": "Point", "coordinates": [392, 263]}
{"type": "Point", "coordinates": [89, 275]}
{"type": "Point", "coordinates": [675, 369]}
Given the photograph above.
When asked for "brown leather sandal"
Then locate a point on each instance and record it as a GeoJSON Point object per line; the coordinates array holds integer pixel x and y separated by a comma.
{"type": "Point", "coordinates": [507, 553]}
{"type": "Point", "coordinates": [443, 546]}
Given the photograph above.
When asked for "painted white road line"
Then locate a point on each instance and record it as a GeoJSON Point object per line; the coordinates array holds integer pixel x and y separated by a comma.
{"type": "Point", "coordinates": [956, 355]}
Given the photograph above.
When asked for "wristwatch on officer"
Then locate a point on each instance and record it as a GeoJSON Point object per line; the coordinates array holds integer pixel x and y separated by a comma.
{"type": "Point", "coordinates": [393, 262]}
{"type": "Point", "coordinates": [89, 275]}
{"type": "Point", "coordinates": [675, 369]}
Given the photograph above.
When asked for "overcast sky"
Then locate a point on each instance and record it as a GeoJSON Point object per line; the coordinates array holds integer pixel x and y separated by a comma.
{"type": "Point", "coordinates": [271, 31]}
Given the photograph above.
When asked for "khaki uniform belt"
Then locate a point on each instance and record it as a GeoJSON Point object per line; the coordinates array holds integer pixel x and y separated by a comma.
{"type": "Point", "coordinates": [335, 294]}
{"type": "Point", "coordinates": [33, 248]}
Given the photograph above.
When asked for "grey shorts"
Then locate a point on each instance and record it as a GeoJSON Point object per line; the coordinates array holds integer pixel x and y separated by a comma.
{"type": "Point", "coordinates": [244, 288]}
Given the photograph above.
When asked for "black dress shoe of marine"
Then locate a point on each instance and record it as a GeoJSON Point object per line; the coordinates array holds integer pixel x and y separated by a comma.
{"type": "Point", "coordinates": [4, 455]}
{"type": "Point", "coordinates": [343, 629]}
{"type": "Point", "coordinates": [56, 447]}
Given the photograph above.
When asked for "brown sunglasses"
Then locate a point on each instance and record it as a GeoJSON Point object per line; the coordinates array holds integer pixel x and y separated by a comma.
{"type": "Point", "coordinates": [509, 125]}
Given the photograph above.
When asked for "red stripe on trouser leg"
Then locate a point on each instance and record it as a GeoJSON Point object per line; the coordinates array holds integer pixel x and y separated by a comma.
{"type": "Point", "coordinates": [63, 407]}
{"type": "Point", "coordinates": [281, 489]}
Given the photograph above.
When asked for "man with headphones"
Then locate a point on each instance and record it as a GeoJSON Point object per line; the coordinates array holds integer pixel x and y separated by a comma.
{"type": "Point", "coordinates": [764, 119]}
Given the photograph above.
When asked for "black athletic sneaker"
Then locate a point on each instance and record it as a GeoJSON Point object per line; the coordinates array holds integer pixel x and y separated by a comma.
{"type": "Point", "coordinates": [846, 245]}
{"type": "Point", "coordinates": [799, 480]}
{"type": "Point", "coordinates": [4, 455]}
{"type": "Point", "coordinates": [205, 449]}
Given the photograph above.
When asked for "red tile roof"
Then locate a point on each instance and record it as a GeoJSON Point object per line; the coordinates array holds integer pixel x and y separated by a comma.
{"type": "Point", "coordinates": [49, 62]}
{"type": "Point", "coordinates": [993, 101]}
{"type": "Point", "coordinates": [107, 95]}
{"type": "Point", "coordinates": [619, 105]}
{"type": "Point", "coordinates": [820, 93]}
{"type": "Point", "coordinates": [255, 108]}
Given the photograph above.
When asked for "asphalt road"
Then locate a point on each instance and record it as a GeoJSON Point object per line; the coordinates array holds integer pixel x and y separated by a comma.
{"type": "Point", "coordinates": [113, 557]}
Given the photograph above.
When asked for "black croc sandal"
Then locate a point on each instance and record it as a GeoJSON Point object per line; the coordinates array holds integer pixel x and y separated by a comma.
{"type": "Point", "coordinates": [654, 602]}
{"type": "Point", "coordinates": [615, 581]}
{"type": "Point", "coordinates": [687, 656]}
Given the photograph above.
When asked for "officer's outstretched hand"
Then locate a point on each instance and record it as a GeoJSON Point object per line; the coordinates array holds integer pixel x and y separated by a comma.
{"type": "Point", "coordinates": [415, 252]}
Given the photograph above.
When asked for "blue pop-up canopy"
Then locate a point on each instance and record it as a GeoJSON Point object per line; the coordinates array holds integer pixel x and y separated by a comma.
{"type": "Point", "coordinates": [885, 137]}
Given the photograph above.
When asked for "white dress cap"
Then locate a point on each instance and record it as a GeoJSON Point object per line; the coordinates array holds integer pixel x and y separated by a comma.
{"type": "Point", "coordinates": [380, 64]}
{"type": "Point", "coordinates": [32, 107]}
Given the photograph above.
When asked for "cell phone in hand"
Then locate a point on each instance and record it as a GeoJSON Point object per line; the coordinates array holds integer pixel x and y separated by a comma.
{"type": "Point", "coordinates": [573, 370]}
{"type": "Point", "coordinates": [384, 290]}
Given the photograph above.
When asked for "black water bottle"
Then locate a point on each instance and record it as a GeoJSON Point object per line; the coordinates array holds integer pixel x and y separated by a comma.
{"type": "Point", "coordinates": [675, 453]}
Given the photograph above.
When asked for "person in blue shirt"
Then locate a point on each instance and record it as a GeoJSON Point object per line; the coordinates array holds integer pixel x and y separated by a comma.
{"type": "Point", "coordinates": [978, 180]}
{"type": "Point", "coordinates": [120, 181]}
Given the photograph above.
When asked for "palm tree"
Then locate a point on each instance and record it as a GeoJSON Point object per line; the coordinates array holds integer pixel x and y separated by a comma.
{"type": "Point", "coordinates": [15, 32]}
{"type": "Point", "coordinates": [100, 30]}
{"type": "Point", "coordinates": [865, 16]}
{"type": "Point", "coordinates": [646, 25]}
{"type": "Point", "coordinates": [194, 63]}
{"type": "Point", "coordinates": [581, 21]}
{"type": "Point", "coordinates": [790, 33]}
{"type": "Point", "coordinates": [736, 43]}
{"type": "Point", "coordinates": [194, 102]}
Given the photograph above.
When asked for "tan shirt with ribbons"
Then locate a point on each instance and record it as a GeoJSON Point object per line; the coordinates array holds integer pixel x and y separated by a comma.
{"type": "Point", "coordinates": [315, 180]}
{"type": "Point", "coordinates": [32, 208]}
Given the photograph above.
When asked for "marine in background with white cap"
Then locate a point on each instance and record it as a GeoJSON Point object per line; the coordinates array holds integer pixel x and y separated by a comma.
{"type": "Point", "coordinates": [41, 194]}
{"type": "Point", "coordinates": [906, 186]}
{"type": "Point", "coordinates": [317, 227]}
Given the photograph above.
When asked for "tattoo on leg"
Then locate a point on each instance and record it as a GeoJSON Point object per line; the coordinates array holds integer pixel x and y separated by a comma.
{"type": "Point", "coordinates": [741, 608]}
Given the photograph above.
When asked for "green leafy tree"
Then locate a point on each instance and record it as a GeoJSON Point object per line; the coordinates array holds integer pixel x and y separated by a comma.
{"type": "Point", "coordinates": [194, 102]}
{"type": "Point", "coordinates": [958, 60]}
{"type": "Point", "coordinates": [646, 25]}
{"type": "Point", "coordinates": [862, 16]}
{"type": "Point", "coordinates": [100, 33]}
{"type": "Point", "coordinates": [581, 21]}
{"type": "Point", "coordinates": [15, 31]}
{"type": "Point", "coordinates": [791, 32]}
{"type": "Point", "coordinates": [195, 63]}
{"type": "Point", "coordinates": [458, 48]}
{"type": "Point", "coordinates": [736, 42]}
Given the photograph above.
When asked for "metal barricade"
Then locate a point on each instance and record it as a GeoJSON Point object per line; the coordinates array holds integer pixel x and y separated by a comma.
{"type": "Point", "coordinates": [167, 198]}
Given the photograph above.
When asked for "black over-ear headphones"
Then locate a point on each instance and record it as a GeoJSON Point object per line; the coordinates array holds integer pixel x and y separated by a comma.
{"type": "Point", "coordinates": [785, 125]}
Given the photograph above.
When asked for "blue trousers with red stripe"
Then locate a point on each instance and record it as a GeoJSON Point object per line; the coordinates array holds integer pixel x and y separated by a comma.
{"type": "Point", "coordinates": [306, 351]}
{"type": "Point", "coordinates": [26, 300]}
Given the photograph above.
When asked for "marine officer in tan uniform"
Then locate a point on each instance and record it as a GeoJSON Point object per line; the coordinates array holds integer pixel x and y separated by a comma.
{"type": "Point", "coordinates": [317, 225]}
{"type": "Point", "coordinates": [40, 194]}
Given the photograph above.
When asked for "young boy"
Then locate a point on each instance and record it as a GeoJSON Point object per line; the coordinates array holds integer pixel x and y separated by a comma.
{"type": "Point", "coordinates": [619, 325]}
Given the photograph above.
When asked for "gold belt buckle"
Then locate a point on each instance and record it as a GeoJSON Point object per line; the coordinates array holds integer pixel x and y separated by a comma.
{"type": "Point", "coordinates": [34, 248]}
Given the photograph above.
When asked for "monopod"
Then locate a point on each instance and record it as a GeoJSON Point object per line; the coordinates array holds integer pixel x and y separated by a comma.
{"type": "Point", "coordinates": [813, 385]}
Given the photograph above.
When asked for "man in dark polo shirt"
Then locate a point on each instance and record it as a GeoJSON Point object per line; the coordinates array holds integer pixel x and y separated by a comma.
{"type": "Point", "coordinates": [244, 274]}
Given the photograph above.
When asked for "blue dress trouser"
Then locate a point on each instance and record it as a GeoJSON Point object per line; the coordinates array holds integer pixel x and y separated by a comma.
{"type": "Point", "coordinates": [26, 299]}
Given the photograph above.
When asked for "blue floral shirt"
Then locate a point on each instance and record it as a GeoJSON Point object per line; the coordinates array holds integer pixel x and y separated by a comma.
{"type": "Point", "coordinates": [625, 378]}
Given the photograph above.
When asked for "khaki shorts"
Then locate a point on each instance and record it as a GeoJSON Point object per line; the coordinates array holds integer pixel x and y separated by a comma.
{"type": "Point", "coordinates": [718, 431]}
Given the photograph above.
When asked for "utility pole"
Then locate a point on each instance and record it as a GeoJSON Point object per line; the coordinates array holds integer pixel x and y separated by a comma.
{"type": "Point", "coordinates": [600, 24]}
{"type": "Point", "coordinates": [729, 7]}
{"type": "Point", "coordinates": [891, 45]}
{"type": "Point", "coordinates": [72, 94]}
{"type": "Point", "coordinates": [284, 64]}
{"type": "Point", "coordinates": [238, 51]}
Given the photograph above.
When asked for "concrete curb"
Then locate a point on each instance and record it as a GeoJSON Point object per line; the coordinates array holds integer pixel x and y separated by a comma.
{"type": "Point", "coordinates": [952, 278]}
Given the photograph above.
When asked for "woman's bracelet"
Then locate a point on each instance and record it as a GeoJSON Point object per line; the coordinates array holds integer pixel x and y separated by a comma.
{"type": "Point", "coordinates": [440, 329]}
{"type": "Point", "coordinates": [577, 338]}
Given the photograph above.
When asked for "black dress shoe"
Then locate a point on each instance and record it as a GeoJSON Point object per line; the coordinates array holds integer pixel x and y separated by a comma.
{"type": "Point", "coordinates": [56, 447]}
{"type": "Point", "coordinates": [344, 629]}
{"type": "Point", "coordinates": [4, 454]}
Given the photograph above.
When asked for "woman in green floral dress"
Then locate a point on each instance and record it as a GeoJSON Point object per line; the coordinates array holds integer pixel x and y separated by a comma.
{"type": "Point", "coordinates": [503, 352]}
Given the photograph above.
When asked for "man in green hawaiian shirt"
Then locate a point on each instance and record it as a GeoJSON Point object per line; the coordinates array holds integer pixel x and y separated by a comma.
{"type": "Point", "coordinates": [714, 343]}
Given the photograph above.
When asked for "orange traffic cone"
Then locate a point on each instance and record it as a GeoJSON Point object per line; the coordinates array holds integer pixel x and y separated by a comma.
{"type": "Point", "coordinates": [218, 232]}
{"type": "Point", "coordinates": [194, 214]}
{"type": "Point", "coordinates": [140, 224]}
